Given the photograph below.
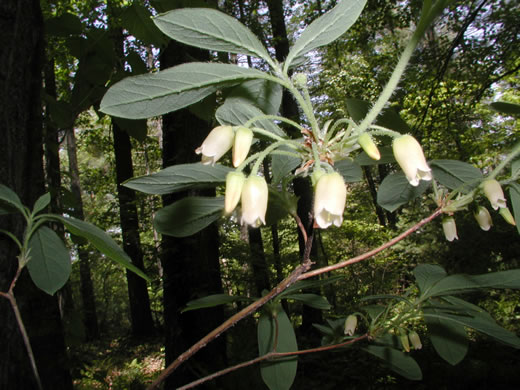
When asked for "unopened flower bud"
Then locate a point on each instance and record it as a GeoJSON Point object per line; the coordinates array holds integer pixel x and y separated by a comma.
{"type": "Point", "coordinates": [410, 157]}
{"type": "Point", "coordinates": [405, 343]}
{"type": "Point", "coordinates": [494, 193]}
{"type": "Point", "coordinates": [329, 200]}
{"type": "Point", "coordinates": [368, 145]}
{"type": "Point", "coordinates": [216, 144]}
{"type": "Point", "coordinates": [483, 218]}
{"type": "Point", "coordinates": [415, 340]}
{"type": "Point", "coordinates": [350, 325]}
{"type": "Point", "coordinates": [450, 229]}
{"type": "Point", "coordinates": [254, 201]}
{"type": "Point", "coordinates": [234, 184]}
{"type": "Point", "coordinates": [300, 80]}
{"type": "Point", "coordinates": [508, 217]}
{"type": "Point", "coordinates": [242, 144]}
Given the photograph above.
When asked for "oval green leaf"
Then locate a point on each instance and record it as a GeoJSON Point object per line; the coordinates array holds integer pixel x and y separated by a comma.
{"type": "Point", "coordinates": [188, 216]}
{"type": "Point", "coordinates": [50, 265]}
{"type": "Point", "coordinates": [395, 191]}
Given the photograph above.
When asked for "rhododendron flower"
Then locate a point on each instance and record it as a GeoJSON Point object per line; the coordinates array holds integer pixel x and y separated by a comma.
{"type": "Point", "coordinates": [216, 144]}
{"type": "Point", "coordinates": [483, 218]}
{"type": "Point", "coordinates": [450, 229]}
{"type": "Point", "coordinates": [410, 157]}
{"type": "Point", "coordinates": [254, 201]}
{"type": "Point", "coordinates": [234, 184]}
{"type": "Point", "coordinates": [494, 193]}
{"type": "Point", "coordinates": [368, 145]}
{"type": "Point", "coordinates": [329, 200]}
{"type": "Point", "coordinates": [242, 144]}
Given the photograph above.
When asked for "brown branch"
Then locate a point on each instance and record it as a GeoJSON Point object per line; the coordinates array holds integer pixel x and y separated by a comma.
{"type": "Point", "coordinates": [373, 252]}
{"type": "Point", "coordinates": [269, 356]}
{"type": "Point", "coordinates": [300, 273]}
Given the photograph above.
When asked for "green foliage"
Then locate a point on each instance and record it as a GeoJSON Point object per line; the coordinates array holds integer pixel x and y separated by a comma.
{"type": "Point", "coordinates": [276, 333]}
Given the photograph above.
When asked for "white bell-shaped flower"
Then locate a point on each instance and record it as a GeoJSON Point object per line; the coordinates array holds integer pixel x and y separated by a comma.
{"type": "Point", "coordinates": [254, 201]}
{"type": "Point", "coordinates": [410, 157]}
{"type": "Point", "coordinates": [483, 218]}
{"type": "Point", "coordinates": [242, 144]}
{"type": "Point", "coordinates": [450, 228]}
{"type": "Point", "coordinates": [234, 184]}
{"type": "Point", "coordinates": [494, 193]}
{"type": "Point", "coordinates": [329, 200]}
{"type": "Point", "coordinates": [216, 144]}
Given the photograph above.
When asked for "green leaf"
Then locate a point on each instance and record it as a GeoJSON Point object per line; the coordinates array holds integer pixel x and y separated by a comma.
{"type": "Point", "coordinates": [456, 174]}
{"type": "Point", "coordinates": [211, 29]}
{"type": "Point", "coordinates": [426, 275]}
{"type": "Point", "coordinates": [100, 240]}
{"type": "Point", "coordinates": [153, 94]}
{"type": "Point", "coordinates": [460, 283]}
{"type": "Point", "coordinates": [264, 94]}
{"type": "Point", "coordinates": [188, 216]}
{"type": "Point", "coordinates": [278, 374]}
{"type": "Point", "coordinates": [397, 361]}
{"type": "Point", "coordinates": [514, 193]}
{"type": "Point", "coordinates": [212, 301]}
{"type": "Point", "coordinates": [350, 170]}
{"type": "Point", "coordinates": [385, 296]}
{"type": "Point", "coordinates": [448, 338]}
{"type": "Point", "coordinates": [50, 265]}
{"type": "Point", "coordinates": [11, 200]}
{"type": "Point", "coordinates": [506, 108]}
{"type": "Point", "coordinates": [395, 191]}
{"type": "Point", "coordinates": [312, 300]}
{"type": "Point", "coordinates": [309, 284]}
{"type": "Point", "coordinates": [280, 203]}
{"type": "Point", "coordinates": [283, 165]}
{"type": "Point", "coordinates": [64, 25]}
{"type": "Point", "coordinates": [481, 322]}
{"type": "Point", "coordinates": [180, 178]}
{"type": "Point", "coordinates": [236, 112]}
{"type": "Point", "coordinates": [388, 118]}
{"type": "Point", "coordinates": [326, 28]}
{"type": "Point", "coordinates": [387, 156]}
{"type": "Point", "coordinates": [138, 21]}
{"type": "Point", "coordinates": [42, 202]}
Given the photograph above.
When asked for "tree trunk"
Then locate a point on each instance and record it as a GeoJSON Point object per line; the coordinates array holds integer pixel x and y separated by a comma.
{"type": "Point", "coordinates": [258, 261]}
{"type": "Point", "coordinates": [86, 286]}
{"type": "Point", "coordinates": [140, 313]}
{"type": "Point", "coordinates": [21, 169]}
{"type": "Point", "coordinates": [191, 264]}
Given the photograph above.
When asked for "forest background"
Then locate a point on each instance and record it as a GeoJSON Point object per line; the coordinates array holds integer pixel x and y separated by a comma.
{"type": "Point", "coordinates": [108, 329]}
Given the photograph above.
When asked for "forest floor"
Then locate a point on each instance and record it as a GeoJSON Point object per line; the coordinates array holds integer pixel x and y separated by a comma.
{"type": "Point", "coordinates": [116, 364]}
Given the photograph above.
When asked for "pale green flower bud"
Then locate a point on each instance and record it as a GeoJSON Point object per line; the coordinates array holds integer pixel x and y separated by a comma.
{"type": "Point", "coordinates": [410, 157]}
{"type": "Point", "coordinates": [216, 144]}
{"type": "Point", "coordinates": [494, 193]}
{"type": "Point", "coordinates": [415, 340]}
{"type": "Point", "coordinates": [450, 229]}
{"type": "Point", "coordinates": [329, 200]}
{"type": "Point", "coordinates": [368, 145]}
{"type": "Point", "coordinates": [254, 201]}
{"type": "Point", "coordinates": [234, 184]}
{"type": "Point", "coordinates": [405, 342]}
{"type": "Point", "coordinates": [242, 144]}
{"type": "Point", "coordinates": [508, 217]}
{"type": "Point", "coordinates": [300, 80]}
{"type": "Point", "coordinates": [350, 325]}
{"type": "Point", "coordinates": [483, 218]}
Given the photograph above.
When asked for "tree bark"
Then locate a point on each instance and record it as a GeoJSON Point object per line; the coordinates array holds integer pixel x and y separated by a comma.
{"type": "Point", "coordinates": [191, 264]}
{"type": "Point", "coordinates": [88, 300]}
{"type": "Point", "coordinates": [140, 313]}
{"type": "Point", "coordinates": [21, 169]}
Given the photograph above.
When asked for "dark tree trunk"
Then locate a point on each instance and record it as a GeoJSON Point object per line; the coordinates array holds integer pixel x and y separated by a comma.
{"type": "Point", "coordinates": [86, 286]}
{"type": "Point", "coordinates": [140, 313]}
{"type": "Point", "coordinates": [373, 193]}
{"type": "Point", "coordinates": [258, 261]}
{"type": "Point", "coordinates": [191, 265]}
{"type": "Point", "coordinates": [21, 169]}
